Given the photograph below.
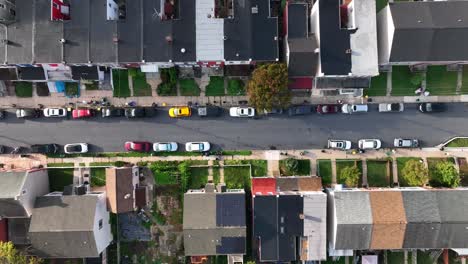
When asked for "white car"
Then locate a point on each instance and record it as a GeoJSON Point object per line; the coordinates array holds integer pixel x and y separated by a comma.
{"type": "Point", "coordinates": [197, 146]}
{"type": "Point", "coordinates": [76, 148]}
{"type": "Point", "coordinates": [339, 144]}
{"type": "Point", "coordinates": [165, 146]}
{"type": "Point", "coordinates": [354, 108]}
{"type": "Point", "coordinates": [388, 108]}
{"type": "Point", "coordinates": [55, 112]}
{"type": "Point", "coordinates": [369, 144]}
{"type": "Point", "coordinates": [405, 143]}
{"type": "Point", "coordinates": [239, 111]}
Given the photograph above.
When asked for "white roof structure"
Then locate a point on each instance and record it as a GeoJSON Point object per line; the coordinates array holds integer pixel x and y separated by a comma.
{"type": "Point", "coordinates": [209, 32]}
{"type": "Point", "coordinates": [315, 215]}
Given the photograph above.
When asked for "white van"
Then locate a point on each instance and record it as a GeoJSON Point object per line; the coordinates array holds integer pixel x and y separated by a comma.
{"type": "Point", "coordinates": [354, 108]}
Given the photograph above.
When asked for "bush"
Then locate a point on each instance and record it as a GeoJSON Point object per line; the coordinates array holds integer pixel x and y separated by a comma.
{"type": "Point", "coordinates": [444, 174]}
{"type": "Point", "coordinates": [72, 89]}
{"type": "Point", "coordinates": [236, 87]}
{"type": "Point", "coordinates": [292, 166]}
{"type": "Point", "coordinates": [350, 176]}
{"type": "Point", "coordinates": [417, 79]}
{"type": "Point", "coordinates": [415, 173]}
{"type": "Point", "coordinates": [23, 89]}
{"type": "Point", "coordinates": [168, 85]}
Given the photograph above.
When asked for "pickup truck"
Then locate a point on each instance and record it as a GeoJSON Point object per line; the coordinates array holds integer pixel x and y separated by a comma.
{"type": "Point", "coordinates": [388, 108]}
{"type": "Point", "coordinates": [209, 111]}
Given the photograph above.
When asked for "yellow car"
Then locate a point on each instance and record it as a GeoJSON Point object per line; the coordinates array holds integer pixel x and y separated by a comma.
{"type": "Point", "coordinates": [180, 111]}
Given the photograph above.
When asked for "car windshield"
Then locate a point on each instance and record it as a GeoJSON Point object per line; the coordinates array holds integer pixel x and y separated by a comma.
{"type": "Point", "coordinates": [428, 107]}
{"type": "Point", "coordinates": [74, 148]}
{"type": "Point", "coordinates": [165, 146]}
{"type": "Point", "coordinates": [400, 143]}
{"type": "Point", "coordinates": [339, 144]}
{"type": "Point", "coordinates": [375, 144]}
{"type": "Point", "coordinates": [199, 146]}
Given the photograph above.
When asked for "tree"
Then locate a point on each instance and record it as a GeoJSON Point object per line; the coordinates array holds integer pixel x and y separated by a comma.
{"type": "Point", "coordinates": [291, 166]}
{"type": "Point", "coordinates": [268, 87]}
{"type": "Point", "coordinates": [417, 79]}
{"type": "Point", "coordinates": [445, 175]}
{"type": "Point", "coordinates": [9, 254]}
{"type": "Point", "coordinates": [350, 176]}
{"type": "Point", "coordinates": [414, 173]}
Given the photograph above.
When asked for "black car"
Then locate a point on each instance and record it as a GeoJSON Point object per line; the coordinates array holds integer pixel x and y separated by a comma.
{"type": "Point", "coordinates": [112, 112]}
{"type": "Point", "coordinates": [300, 110]}
{"type": "Point", "coordinates": [209, 111]}
{"type": "Point", "coordinates": [137, 112]}
{"type": "Point", "coordinates": [45, 148]}
{"type": "Point", "coordinates": [432, 107]}
{"type": "Point", "coordinates": [27, 113]}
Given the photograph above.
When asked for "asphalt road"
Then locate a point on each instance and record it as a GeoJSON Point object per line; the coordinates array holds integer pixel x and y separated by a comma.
{"type": "Point", "coordinates": [282, 132]}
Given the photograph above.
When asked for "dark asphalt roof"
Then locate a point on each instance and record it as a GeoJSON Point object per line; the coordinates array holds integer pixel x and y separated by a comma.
{"type": "Point", "coordinates": [7, 74]}
{"type": "Point", "coordinates": [333, 41]}
{"type": "Point", "coordinates": [18, 230]}
{"type": "Point", "coordinates": [429, 31]}
{"type": "Point", "coordinates": [249, 35]}
{"type": "Point", "coordinates": [230, 210]}
{"type": "Point", "coordinates": [31, 73]}
{"type": "Point", "coordinates": [277, 224]}
{"type": "Point", "coordinates": [303, 61]}
{"type": "Point", "coordinates": [84, 72]}
{"type": "Point", "coordinates": [90, 36]}
{"type": "Point", "coordinates": [297, 20]}
{"type": "Point", "coordinates": [342, 82]}
{"type": "Point", "coordinates": [62, 226]}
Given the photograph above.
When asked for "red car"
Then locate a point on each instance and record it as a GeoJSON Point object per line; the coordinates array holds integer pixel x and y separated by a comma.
{"type": "Point", "coordinates": [138, 146]}
{"type": "Point", "coordinates": [328, 109]}
{"type": "Point", "coordinates": [81, 113]}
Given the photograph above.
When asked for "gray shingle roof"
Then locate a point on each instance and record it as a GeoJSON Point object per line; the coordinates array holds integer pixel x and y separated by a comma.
{"type": "Point", "coordinates": [303, 61]}
{"type": "Point", "coordinates": [297, 20]}
{"type": "Point", "coordinates": [62, 226]}
{"type": "Point", "coordinates": [429, 31]}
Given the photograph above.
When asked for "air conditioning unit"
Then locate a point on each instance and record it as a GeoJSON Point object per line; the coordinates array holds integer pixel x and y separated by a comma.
{"type": "Point", "coordinates": [348, 91]}
{"type": "Point", "coordinates": [255, 10]}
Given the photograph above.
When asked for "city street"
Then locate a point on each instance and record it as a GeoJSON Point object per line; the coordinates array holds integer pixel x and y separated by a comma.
{"type": "Point", "coordinates": [282, 132]}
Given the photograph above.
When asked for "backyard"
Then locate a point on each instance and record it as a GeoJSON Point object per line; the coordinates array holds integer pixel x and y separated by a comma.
{"type": "Point", "coordinates": [303, 168]}
{"type": "Point", "coordinates": [237, 176]}
{"type": "Point", "coordinates": [198, 177]}
{"type": "Point", "coordinates": [401, 81]}
{"type": "Point", "coordinates": [215, 87]}
{"type": "Point", "coordinates": [395, 257]}
{"type": "Point", "coordinates": [401, 162]}
{"type": "Point", "coordinates": [324, 170]}
{"type": "Point", "coordinates": [439, 81]}
{"type": "Point", "coordinates": [259, 167]}
{"type": "Point", "coordinates": [341, 164]}
{"type": "Point", "coordinates": [98, 177]}
{"type": "Point", "coordinates": [235, 87]}
{"type": "Point", "coordinates": [23, 89]}
{"type": "Point", "coordinates": [434, 181]}
{"type": "Point", "coordinates": [140, 86]}
{"type": "Point", "coordinates": [379, 173]}
{"type": "Point", "coordinates": [188, 87]}
{"type": "Point", "coordinates": [120, 83]}
{"type": "Point", "coordinates": [59, 178]}
{"type": "Point", "coordinates": [168, 85]}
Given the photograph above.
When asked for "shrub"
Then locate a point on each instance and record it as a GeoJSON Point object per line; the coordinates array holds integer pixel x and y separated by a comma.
{"type": "Point", "coordinates": [415, 173]}
{"type": "Point", "coordinates": [292, 166]}
{"type": "Point", "coordinates": [444, 174]}
{"type": "Point", "coordinates": [350, 176]}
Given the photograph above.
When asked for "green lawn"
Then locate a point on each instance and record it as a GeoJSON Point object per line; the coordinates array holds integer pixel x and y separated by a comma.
{"type": "Point", "coordinates": [259, 167]}
{"type": "Point", "coordinates": [92, 85]}
{"type": "Point", "coordinates": [199, 177]}
{"type": "Point", "coordinates": [377, 173]}
{"type": "Point", "coordinates": [401, 81]}
{"type": "Point", "coordinates": [303, 170]}
{"type": "Point", "coordinates": [215, 87]}
{"type": "Point", "coordinates": [235, 87]}
{"type": "Point", "coordinates": [168, 85]}
{"type": "Point", "coordinates": [69, 164]}
{"type": "Point", "coordinates": [23, 89]}
{"type": "Point", "coordinates": [120, 83]}
{"type": "Point", "coordinates": [424, 258]}
{"type": "Point", "coordinates": [165, 172]}
{"type": "Point", "coordinates": [380, 4]}
{"type": "Point", "coordinates": [237, 177]}
{"type": "Point", "coordinates": [140, 86]}
{"type": "Point", "coordinates": [324, 170]}
{"type": "Point", "coordinates": [439, 81]}
{"type": "Point", "coordinates": [72, 89]}
{"type": "Point", "coordinates": [341, 164]}
{"type": "Point", "coordinates": [458, 143]}
{"type": "Point", "coordinates": [329, 260]}
{"type": "Point", "coordinates": [378, 85]}
{"type": "Point", "coordinates": [464, 87]}
{"type": "Point", "coordinates": [59, 178]}
{"type": "Point", "coordinates": [188, 87]}
{"type": "Point", "coordinates": [395, 257]}
{"type": "Point", "coordinates": [98, 177]}
{"type": "Point", "coordinates": [400, 165]}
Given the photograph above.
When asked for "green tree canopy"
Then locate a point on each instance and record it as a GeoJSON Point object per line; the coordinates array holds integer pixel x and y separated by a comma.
{"type": "Point", "coordinates": [268, 87]}
{"type": "Point", "coordinates": [9, 255]}
{"type": "Point", "coordinates": [350, 176]}
{"type": "Point", "coordinates": [292, 166]}
{"type": "Point", "coordinates": [414, 173]}
{"type": "Point", "coordinates": [445, 174]}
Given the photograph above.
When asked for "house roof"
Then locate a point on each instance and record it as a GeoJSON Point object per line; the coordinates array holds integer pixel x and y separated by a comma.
{"type": "Point", "coordinates": [18, 230]}
{"type": "Point", "coordinates": [303, 60]}
{"type": "Point", "coordinates": [300, 183]}
{"type": "Point", "coordinates": [402, 218]}
{"type": "Point", "coordinates": [334, 42]}
{"type": "Point", "coordinates": [297, 20]}
{"type": "Point", "coordinates": [263, 185]}
{"type": "Point", "coordinates": [11, 183]}
{"type": "Point", "coordinates": [140, 196]}
{"type": "Point", "coordinates": [90, 37]}
{"type": "Point", "coordinates": [342, 82]}
{"type": "Point", "coordinates": [251, 35]}
{"type": "Point", "coordinates": [315, 225]}
{"type": "Point", "coordinates": [30, 73]}
{"type": "Point", "coordinates": [214, 223]}
{"type": "Point", "coordinates": [429, 31]}
{"type": "Point", "coordinates": [62, 226]}
{"type": "Point", "coordinates": [119, 189]}
{"type": "Point", "coordinates": [7, 74]}
{"type": "Point", "coordinates": [84, 72]}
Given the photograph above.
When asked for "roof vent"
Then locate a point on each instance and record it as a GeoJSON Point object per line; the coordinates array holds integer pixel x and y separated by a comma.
{"type": "Point", "coordinates": [419, 21]}
{"type": "Point", "coordinates": [127, 196]}
{"type": "Point", "coordinates": [254, 9]}
{"type": "Point", "coordinates": [237, 54]}
{"type": "Point", "coordinates": [459, 20]}
{"type": "Point", "coordinates": [182, 50]}
{"type": "Point", "coordinates": [169, 39]}
{"type": "Point", "coordinates": [63, 41]}
{"type": "Point", "coordinates": [225, 38]}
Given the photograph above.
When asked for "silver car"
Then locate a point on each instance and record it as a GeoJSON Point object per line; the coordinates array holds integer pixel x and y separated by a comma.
{"type": "Point", "coordinates": [339, 144]}
{"type": "Point", "coordinates": [369, 144]}
{"type": "Point", "coordinates": [405, 143]}
{"type": "Point", "coordinates": [76, 148]}
{"type": "Point", "coordinates": [165, 146]}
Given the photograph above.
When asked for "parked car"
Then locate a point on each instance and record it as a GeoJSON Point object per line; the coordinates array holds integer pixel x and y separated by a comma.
{"type": "Point", "coordinates": [2, 149]}
{"type": "Point", "coordinates": [45, 148]}
{"type": "Point", "coordinates": [339, 144]}
{"type": "Point", "coordinates": [354, 108]}
{"type": "Point", "coordinates": [165, 146]}
{"type": "Point", "coordinates": [209, 111]}
{"type": "Point", "coordinates": [432, 107]}
{"type": "Point", "coordinates": [180, 111]}
{"type": "Point", "coordinates": [2, 114]}
{"type": "Point", "coordinates": [242, 111]}
{"type": "Point", "coordinates": [27, 113]}
{"type": "Point", "coordinates": [396, 107]}
{"type": "Point", "coordinates": [76, 148]}
{"type": "Point", "coordinates": [81, 113]}
{"type": "Point", "coordinates": [405, 143]}
{"type": "Point", "coordinates": [138, 146]}
{"type": "Point", "coordinates": [137, 112]}
{"type": "Point", "coordinates": [273, 111]}
{"type": "Point", "coordinates": [328, 109]}
{"type": "Point", "coordinates": [300, 110]}
{"type": "Point", "coordinates": [55, 112]}
{"type": "Point", "coordinates": [112, 112]}
{"type": "Point", "coordinates": [197, 146]}
{"type": "Point", "coordinates": [369, 144]}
